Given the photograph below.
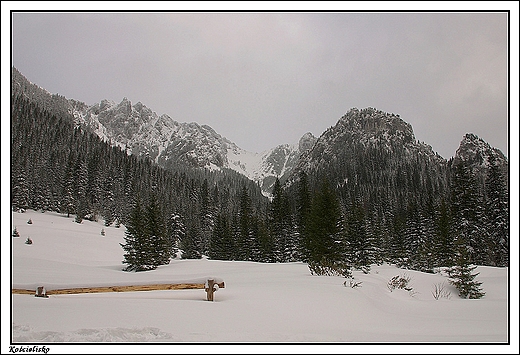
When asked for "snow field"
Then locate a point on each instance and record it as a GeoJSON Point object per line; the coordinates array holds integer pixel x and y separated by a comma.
{"type": "Point", "coordinates": [260, 303]}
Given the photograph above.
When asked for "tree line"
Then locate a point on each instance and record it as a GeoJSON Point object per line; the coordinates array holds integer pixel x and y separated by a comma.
{"type": "Point", "coordinates": [410, 217]}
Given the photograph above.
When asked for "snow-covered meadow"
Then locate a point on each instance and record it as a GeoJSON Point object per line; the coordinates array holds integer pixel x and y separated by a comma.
{"type": "Point", "coordinates": [261, 303]}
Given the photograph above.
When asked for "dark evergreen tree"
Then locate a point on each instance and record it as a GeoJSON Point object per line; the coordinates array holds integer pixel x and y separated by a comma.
{"type": "Point", "coordinates": [176, 232]}
{"type": "Point", "coordinates": [207, 215]}
{"type": "Point", "coordinates": [266, 243]}
{"type": "Point", "coordinates": [467, 212]}
{"type": "Point", "coordinates": [443, 241]}
{"type": "Point", "coordinates": [136, 246]}
{"type": "Point", "coordinates": [108, 201]}
{"type": "Point", "coordinates": [497, 212]}
{"type": "Point", "coordinates": [255, 235]}
{"type": "Point", "coordinates": [397, 252]}
{"type": "Point", "coordinates": [221, 247]}
{"type": "Point", "coordinates": [68, 199]}
{"type": "Point", "coordinates": [461, 275]}
{"type": "Point", "coordinates": [155, 230]}
{"type": "Point", "coordinates": [378, 236]}
{"type": "Point", "coordinates": [81, 183]}
{"type": "Point", "coordinates": [360, 248]}
{"type": "Point", "coordinates": [245, 216]}
{"type": "Point", "coordinates": [324, 229]}
{"type": "Point", "coordinates": [303, 209]}
{"type": "Point", "coordinates": [192, 244]}
{"type": "Point", "coordinates": [20, 191]}
{"type": "Point", "coordinates": [280, 223]}
{"type": "Point", "coordinates": [418, 239]}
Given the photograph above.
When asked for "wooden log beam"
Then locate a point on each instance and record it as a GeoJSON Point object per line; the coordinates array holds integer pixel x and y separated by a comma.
{"type": "Point", "coordinates": [131, 288]}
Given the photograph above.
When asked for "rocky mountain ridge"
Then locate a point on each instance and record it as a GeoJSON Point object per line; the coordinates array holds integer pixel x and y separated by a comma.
{"type": "Point", "coordinates": [141, 131]}
{"type": "Point", "coordinates": [369, 132]}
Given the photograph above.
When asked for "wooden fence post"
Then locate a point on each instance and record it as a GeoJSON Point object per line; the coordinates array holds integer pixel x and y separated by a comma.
{"type": "Point", "coordinates": [40, 292]}
{"type": "Point", "coordinates": [210, 290]}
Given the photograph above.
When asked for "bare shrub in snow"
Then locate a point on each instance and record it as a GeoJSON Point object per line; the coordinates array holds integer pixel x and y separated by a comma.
{"type": "Point", "coordinates": [330, 268]}
{"type": "Point", "coordinates": [400, 282]}
{"type": "Point", "coordinates": [440, 291]}
{"type": "Point", "coordinates": [352, 284]}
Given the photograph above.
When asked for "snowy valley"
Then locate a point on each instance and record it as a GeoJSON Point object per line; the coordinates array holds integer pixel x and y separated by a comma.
{"type": "Point", "coordinates": [279, 302]}
{"type": "Point", "coordinates": [114, 185]}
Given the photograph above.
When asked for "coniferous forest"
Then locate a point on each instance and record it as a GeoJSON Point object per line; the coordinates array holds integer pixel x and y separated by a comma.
{"type": "Point", "coordinates": [376, 201]}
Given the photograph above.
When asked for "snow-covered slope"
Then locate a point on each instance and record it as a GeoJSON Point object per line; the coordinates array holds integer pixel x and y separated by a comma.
{"type": "Point", "coordinates": [274, 163]}
{"type": "Point", "coordinates": [260, 303]}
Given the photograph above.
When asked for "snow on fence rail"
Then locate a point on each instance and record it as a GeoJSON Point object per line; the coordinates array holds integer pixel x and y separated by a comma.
{"type": "Point", "coordinates": [210, 286]}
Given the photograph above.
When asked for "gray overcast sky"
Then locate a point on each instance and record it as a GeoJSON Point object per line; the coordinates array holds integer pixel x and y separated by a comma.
{"type": "Point", "coordinates": [263, 79]}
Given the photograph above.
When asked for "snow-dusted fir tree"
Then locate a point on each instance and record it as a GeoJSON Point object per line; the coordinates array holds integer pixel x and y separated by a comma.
{"type": "Point", "coordinates": [192, 244]}
{"type": "Point", "coordinates": [444, 249]}
{"type": "Point", "coordinates": [20, 191]}
{"type": "Point", "coordinates": [81, 185]}
{"type": "Point", "coordinates": [462, 277]}
{"type": "Point", "coordinates": [176, 232]}
{"type": "Point", "coordinates": [221, 246]}
{"type": "Point", "coordinates": [136, 246]}
{"type": "Point", "coordinates": [360, 249]}
{"type": "Point", "coordinates": [245, 215]}
{"type": "Point", "coordinates": [325, 238]}
{"type": "Point", "coordinates": [497, 212]}
{"type": "Point", "coordinates": [467, 207]}
{"type": "Point", "coordinates": [156, 233]}
{"type": "Point", "coordinates": [206, 215]}
{"type": "Point", "coordinates": [280, 224]}
{"type": "Point", "coordinates": [303, 207]}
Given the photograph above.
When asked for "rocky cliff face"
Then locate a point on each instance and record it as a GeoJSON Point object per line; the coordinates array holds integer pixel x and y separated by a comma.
{"type": "Point", "coordinates": [475, 153]}
{"type": "Point", "coordinates": [141, 131]}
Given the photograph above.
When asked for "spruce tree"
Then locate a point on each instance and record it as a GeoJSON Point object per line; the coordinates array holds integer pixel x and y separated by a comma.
{"type": "Point", "coordinates": [245, 215]}
{"type": "Point", "coordinates": [206, 215]}
{"type": "Point", "coordinates": [280, 224]}
{"type": "Point", "coordinates": [176, 232]}
{"type": "Point", "coordinates": [302, 214]}
{"type": "Point", "coordinates": [68, 200]}
{"type": "Point", "coordinates": [136, 246]}
{"type": "Point", "coordinates": [461, 275]}
{"type": "Point", "coordinates": [360, 250]}
{"type": "Point", "coordinates": [221, 246]}
{"type": "Point", "coordinates": [20, 191]}
{"type": "Point", "coordinates": [81, 184]}
{"type": "Point", "coordinates": [497, 212]}
{"type": "Point", "coordinates": [324, 229]}
{"type": "Point", "coordinates": [397, 252]}
{"type": "Point", "coordinates": [467, 212]}
{"type": "Point", "coordinates": [443, 240]}
{"type": "Point", "coordinates": [156, 233]}
{"type": "Point", "coordinates": [192, 244]}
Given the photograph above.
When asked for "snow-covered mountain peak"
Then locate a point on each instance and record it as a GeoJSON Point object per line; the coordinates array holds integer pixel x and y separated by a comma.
{"type": "Point", "coordinates": [475, 152]}
{"type": "Point", "coordinates": [140, 131]}
{"type": "Point", "coordinates": [370, 122]}
{"type": "Point", "coordinates": [265, 167]}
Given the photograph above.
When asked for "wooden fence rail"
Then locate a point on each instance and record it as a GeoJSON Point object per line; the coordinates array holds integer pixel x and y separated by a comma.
{"type": "Point", "coordinates": [210, 287]}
